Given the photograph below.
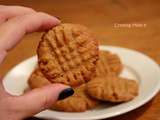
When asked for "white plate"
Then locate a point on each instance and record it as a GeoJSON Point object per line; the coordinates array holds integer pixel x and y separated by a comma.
{"type": "Point", "coordinates": [137, 66]}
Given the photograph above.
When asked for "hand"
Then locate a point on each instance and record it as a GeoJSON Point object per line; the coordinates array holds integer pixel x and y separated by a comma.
{"type": "Point", "coordinates": [15, 22]}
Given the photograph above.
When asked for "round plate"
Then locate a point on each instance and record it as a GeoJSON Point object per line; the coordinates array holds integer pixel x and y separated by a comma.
{"type": "Point", "coordinates": [137, 66]}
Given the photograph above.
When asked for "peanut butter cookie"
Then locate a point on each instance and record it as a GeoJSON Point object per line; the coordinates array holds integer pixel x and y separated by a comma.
{"type": "Point", "coordinates": [109, 63]}
{"type": "Point", "coordinates": [79, 102]}
{"type": "Point", "coordinates": [67, 54]}
{"type": "Point", "coordinates": [112, 88]}
{"type": "Point", "coordinates": [37, 79]}
{"type": "Point", "coordinates": [69, 104]}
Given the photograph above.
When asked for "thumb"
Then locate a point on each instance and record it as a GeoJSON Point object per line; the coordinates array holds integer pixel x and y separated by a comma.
{"type": "Point", "coordinates": [41, 98]}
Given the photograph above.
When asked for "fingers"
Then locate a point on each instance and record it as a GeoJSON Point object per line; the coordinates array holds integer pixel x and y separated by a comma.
{"type": "Point", "coordinates": [14, 29]}
{"type": "Point", "coordinates": [3, 53]}
{"type": "Point", "coordinates": [3, 93]}
{"type": "Point", "coordinates": [7, 12]}
{"type": "Point", "coordinates": [38, 99]}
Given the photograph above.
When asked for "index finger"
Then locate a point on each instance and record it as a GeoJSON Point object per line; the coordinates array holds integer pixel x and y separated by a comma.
{"type": "Point", "coordinates": [7, 12]}
{"type": "Point", "coordinates": [14, 29]}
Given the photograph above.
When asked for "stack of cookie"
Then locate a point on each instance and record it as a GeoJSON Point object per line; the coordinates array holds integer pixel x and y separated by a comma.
{"type": "Point", "coordinates": [69, 54]}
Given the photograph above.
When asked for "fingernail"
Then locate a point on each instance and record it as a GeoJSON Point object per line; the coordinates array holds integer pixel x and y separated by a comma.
{"type": "Point", "coordinates": [57, 19]}
{"type": "Point", "coordinates": [66, 93]}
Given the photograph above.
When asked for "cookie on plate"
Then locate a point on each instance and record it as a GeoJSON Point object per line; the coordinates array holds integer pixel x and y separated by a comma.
{"type": "Point", "coordinates": [112, 88]}
{"type": "Point", "coordinates": [109, 62]}
{"type": "Point", "coordinates": [67, 54]}
{"type": "Point", "coordinates": [37, 79]}
{"type": "Point", "coordinates": [102, 67]}
{"type": "Point", "coordinates": [78, 102]}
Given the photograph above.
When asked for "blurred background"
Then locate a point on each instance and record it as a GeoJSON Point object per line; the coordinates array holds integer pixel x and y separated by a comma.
{"type": "Point", "coordinates": [133, 24]}
{"type": "Point", "coordinates": [113, 21]}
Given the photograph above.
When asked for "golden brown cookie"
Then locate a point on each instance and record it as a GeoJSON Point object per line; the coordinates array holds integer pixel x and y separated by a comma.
{"type": "Point", "coordinates": [112, 88]}
{"type": "Point", "coordinates": [37, 79]}
{"type": "Point", "coordinates": [67, 54]}
{"type": "Point", "coordinates": [69, 104]}
{"type": "Point", "coordinates": [109, 63]}
{"type": "Point", "coordinates": [78, 102]}
{"type": "Point", "coordinates": [102, 67]}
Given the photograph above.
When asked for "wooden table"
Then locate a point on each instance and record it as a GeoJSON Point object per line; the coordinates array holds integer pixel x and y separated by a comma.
{"type": "Point", "coordinates": [102, 16]}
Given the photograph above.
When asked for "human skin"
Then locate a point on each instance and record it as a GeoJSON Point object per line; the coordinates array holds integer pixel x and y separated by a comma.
{"type": "Point", "coordinates": [15, 22]}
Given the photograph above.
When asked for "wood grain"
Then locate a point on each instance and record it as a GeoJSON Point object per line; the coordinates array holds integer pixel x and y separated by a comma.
{"type": "Point", "coordinates": [101, 16]}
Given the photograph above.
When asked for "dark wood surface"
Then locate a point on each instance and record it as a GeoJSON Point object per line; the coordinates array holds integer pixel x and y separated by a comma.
{"type": "Point", "coordinates": [101, 16]}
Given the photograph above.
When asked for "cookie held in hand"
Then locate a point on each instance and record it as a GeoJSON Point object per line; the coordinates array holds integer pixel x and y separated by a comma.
{"type": "Point", "coordinates": [68, 54]}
